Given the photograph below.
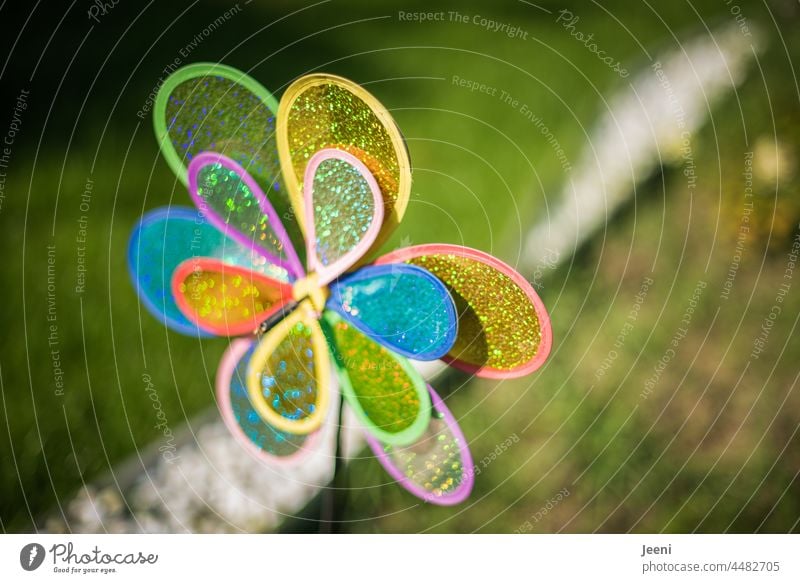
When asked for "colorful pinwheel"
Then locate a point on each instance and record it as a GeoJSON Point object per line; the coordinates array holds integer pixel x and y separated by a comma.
{"type": "Point", "coordinates": [331, 156]}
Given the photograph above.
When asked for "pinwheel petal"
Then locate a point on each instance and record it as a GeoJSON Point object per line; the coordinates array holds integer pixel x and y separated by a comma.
{"type": "Point", "coordinates": [211, 107]}
{"type": "Point", "coordinates": [325, 111]}
{"type": "Point", "coordinates": [386, 393]}
{"type": "Point", "coordinates": [344, 211]}
{"type": "Point", "coordinates": [258, 437]}
{"type": "Point", "coordinates": [224, 299]}
{"type": "Point", "coordinates": [437, 467]}
{"type": "Point", "coordinates": [233, 202]}
{"type": "Point", "coordinates": [288, 377]}
{"type": "Point", "coordinates": [503, 328]}
{"type": "Point", "coordinates": [400, 306]}
{"type": "Point", "coordinates": [166, 237]}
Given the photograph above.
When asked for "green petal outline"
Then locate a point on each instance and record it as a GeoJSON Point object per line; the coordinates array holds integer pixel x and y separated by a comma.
{"type": "Point", "coordinates": [187, 73]}
{"type": "Point", "coordinates": [408, 435]}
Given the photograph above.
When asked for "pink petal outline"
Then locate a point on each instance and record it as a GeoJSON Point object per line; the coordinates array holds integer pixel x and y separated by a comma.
{"type": "Point", "coordinates": [292, 263]}
{"type": "Point", "coordinates": [227, 365]}
{"type": "Point", "coordinates": [464, 489]}
{"type": "Point", "coordinates": [403, 255]}
{"type": "Point", "coordinates": [330, 272]}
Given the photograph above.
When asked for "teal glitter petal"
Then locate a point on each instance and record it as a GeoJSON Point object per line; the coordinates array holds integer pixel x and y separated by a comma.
{"type": "Point", "coordinates": [344, 209]}
{"type": "Point", "coordinates": [401, 306]}
{"type": "Point", "coordinates": [167, 236]}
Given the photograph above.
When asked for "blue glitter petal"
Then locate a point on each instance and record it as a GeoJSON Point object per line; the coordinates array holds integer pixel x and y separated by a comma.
{"type": "Point", "coordinates": [403, 307]}
{"type": "Point", "coordinates": [163, 239]}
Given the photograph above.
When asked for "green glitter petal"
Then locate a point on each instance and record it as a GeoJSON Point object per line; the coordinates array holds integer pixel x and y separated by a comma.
{"type": "Point", "coordinates": [223, 190]}
{"type": "Point", "coordinates": [387, 394]}
{"type": "Point", "coordinates": [210, 107]}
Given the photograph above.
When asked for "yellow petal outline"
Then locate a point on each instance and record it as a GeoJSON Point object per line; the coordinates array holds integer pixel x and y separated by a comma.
{"type": "Point", "coordinates": [394, 210]}
{"type": "Point", "coordinates": [322, 372]}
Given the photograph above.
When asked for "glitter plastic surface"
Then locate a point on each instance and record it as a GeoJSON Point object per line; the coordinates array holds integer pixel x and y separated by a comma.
{"type": "Point", "coordinates": [288, 378]}
{"type": "Point", "coordinates": [344, 212]}
{"type": "Point", "coordinates": [232, 201]}
{"type": "Point", "coordinates": [224, 299]}
{"type": "Point", "coordinates": [400, 306]}
{"type": "Point", "coordinates": [331, 157]}
{"type": "Point", "coordinates": [437, 467]}
{"type": "Point", "coordinates": [211, 107]}
{"type": "Point", "coordinates": [325, 111]}
{"type": "Point", "coordinates": [503, 328]}
{"type": "Point", "coordinates": [164, 238]}
{"type": "Point", "coordinates": [259, 438]}
{"type": "Point", "coordinates": [386, 393]}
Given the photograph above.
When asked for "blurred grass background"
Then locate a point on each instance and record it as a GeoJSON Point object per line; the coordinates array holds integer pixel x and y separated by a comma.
{"type": "Point", "coordinates": [708, 450]}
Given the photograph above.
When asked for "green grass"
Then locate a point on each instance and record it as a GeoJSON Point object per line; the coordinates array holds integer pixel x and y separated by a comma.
{"type": "Point", "coordinates": [714, 446]}
{"type": "Point", "coordinates": [482, 175]}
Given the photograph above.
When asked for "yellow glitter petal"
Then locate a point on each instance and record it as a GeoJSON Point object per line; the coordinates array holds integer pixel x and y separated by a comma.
{"type": "Point", "coordinates": [325, 111]}
{"type": "Point", "coordinates": [503, 327]}
{"type": "Point", "coordinates": [497, 324]}
{"type": "Point", "coordinates": [288, 377]}
{"type": "Point", "coordinates": [225, 299]}
{"type": "Point", "coordinates": [387, 394]}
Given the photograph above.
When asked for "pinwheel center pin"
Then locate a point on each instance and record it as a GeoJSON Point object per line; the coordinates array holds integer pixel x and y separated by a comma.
{"type": "Point", "coordinates": [309, 287]}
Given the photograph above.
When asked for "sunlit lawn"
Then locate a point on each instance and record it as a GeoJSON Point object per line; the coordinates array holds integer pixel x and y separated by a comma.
{"type": "Point", "coordinates": [482, 176]}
